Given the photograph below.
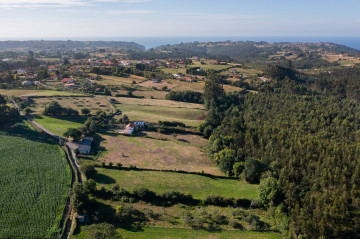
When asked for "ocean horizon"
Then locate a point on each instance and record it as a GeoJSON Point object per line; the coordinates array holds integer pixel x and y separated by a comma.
{"type": "Point", "coordinates": [152, 42]}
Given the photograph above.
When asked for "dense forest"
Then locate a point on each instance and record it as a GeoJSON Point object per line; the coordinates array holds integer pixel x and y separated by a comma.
{"type": "Point", "coordinates": [299, 139]}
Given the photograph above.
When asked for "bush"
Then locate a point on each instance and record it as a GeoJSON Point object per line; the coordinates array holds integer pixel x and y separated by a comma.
{"type": "Point", "coordinates": [144, 194]}
{"type": "Point", "coordinates": [89, 170]}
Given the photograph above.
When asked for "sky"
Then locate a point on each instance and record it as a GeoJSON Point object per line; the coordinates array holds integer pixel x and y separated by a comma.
{"type": "Point", "coordinates": [97, 19]}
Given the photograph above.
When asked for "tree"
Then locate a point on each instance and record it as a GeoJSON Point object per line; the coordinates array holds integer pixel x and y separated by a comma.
{"type": "Point", "coordinates": [27, 111]}
{"type": "Point", "coordinates": [269, 190]}
{"type": "Point", "coordinates": [79, 197]}
{"type": "Point", "coordinates": [88, 169]}
{"type": "Point", "coordinates": [85, 111]}
{"type": "Point", "coordinates": [253, 170]}
{"type": "Point", "coordinates": [53, 108]}
{"type": "Point", "coordinates": [107, 92]}
{"type": "Point", "coordinates": [73, 133]}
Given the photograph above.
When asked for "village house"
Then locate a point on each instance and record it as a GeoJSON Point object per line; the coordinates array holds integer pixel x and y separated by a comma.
{"type": "Point", "coordinates": [129, 129]}
{"type": "Point", "coordinates": [85, 145]}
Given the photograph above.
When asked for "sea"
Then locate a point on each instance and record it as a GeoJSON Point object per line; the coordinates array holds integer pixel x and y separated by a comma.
{"type": "Point", "coordinates": [152, 42]}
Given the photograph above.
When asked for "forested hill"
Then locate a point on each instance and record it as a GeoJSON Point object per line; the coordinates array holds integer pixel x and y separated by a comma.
{"type": "Point", "coordinates": [67, 45]}
{"type": "Point", "coordinates": [299, 139]}
{"type": "Point", "coordinates": [250, 49]}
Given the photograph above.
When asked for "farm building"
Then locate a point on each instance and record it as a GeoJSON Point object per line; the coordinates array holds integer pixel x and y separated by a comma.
{"type": "Point", "coordinates": [139, 123]}
{"type": "Point", "coordinates": [85, 145]}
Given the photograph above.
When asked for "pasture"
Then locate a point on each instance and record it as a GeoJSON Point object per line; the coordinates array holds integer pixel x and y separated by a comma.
{"type": "Point", "coordinates": [77, 103]}
{"type": "Point", "coordinates": [158, 102]}
{"type": "Point", "coordinates": [159, 151]}
{"type": "Point", "coordinates": [116, 80]}
{"type": "Point", "coordinates": [62, 123]}
{"type": "Point", "coordinates": [198, 186]}
{"type": "Point", "coordinates": [150, 113]}
{"type": "Point", "coordinates": [34, 184]}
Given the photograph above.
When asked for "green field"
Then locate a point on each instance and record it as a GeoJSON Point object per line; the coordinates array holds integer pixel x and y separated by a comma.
{"type": "Point", "coordinates": [34, 184]}
{"type": "Point", "coordinates": [38, 93]}
{"type": "Point", "coordinates": [190, 117]}
{"type": "Point", "coordinates": [60, 123]}
{"type": "Point", "coordinates": [196, 185]}
{"type": "Point", "coordinates": [156, 233]}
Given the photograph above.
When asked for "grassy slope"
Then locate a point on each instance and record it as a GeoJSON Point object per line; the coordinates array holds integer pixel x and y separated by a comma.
{"type": "Point", "coordinates": [34, 183]}
{"type": "Point", "coordinates": [159, 182]}
{"type": "Point", "coordinates": [63, 123]}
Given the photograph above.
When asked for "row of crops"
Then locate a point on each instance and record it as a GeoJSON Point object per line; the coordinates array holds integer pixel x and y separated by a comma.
{"type": "Point", "coordinates": [34, 184]}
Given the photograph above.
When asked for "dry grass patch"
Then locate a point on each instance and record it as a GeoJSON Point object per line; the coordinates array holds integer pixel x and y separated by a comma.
{"type": "Point", "coordinates": [116, 80]}
{"type": "Point", "coordinates": [159, 85]}
{"type": "Point", "coordinates": [185, 152]}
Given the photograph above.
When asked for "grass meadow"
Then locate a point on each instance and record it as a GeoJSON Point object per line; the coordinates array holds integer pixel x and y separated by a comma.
{"type": "Point", "coordinates": [150, 113]}
{"type": "Point", "coordinates": [198, 186]}
{"type": "Point", "coordinates": [62, 123]}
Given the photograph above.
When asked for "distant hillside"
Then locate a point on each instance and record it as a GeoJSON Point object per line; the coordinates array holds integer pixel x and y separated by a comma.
{"type": "Point", "coordinates": [249, 50]}
{"type": "Point", "coordinates": [67, 45]}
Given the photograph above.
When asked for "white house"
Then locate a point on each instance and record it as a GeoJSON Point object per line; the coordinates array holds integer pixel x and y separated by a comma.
{"type": "Point", "coordinates": [139, 123]}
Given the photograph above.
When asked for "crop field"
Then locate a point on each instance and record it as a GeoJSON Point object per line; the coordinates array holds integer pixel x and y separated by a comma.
{"type": "Point", "coordinates": [37, 93]}
{"type": "Point", "coordinates": [149, 113]}
{"type": "Point", "coordinates": [54, 124]}
{"type": "Point", "coordinates": [77, 103]}
{"type": "Point", "coordinates": [34, 184]}
{"type": "Point", "coordinates": [160, 151]}
{"type": "Point", "coordinates": [198, 186]}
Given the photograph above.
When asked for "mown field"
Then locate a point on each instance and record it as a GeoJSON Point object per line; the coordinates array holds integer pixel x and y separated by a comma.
{"type": "Point", "coordinates": [62, 123]}
{"type": "Point", "coordinates": [197, 185]}
{"type": "Point", "coordinates": [190, 117]}
{"type": "Point", "coordinates": [34, 184]}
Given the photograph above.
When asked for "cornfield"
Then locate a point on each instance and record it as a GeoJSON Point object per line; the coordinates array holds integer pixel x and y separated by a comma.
{"type": "Point", "coordinates": [34, 184]}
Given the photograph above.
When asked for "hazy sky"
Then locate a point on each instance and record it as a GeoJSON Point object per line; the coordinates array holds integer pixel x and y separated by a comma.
{"type": "Point", "coordinates": [68, 19]}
